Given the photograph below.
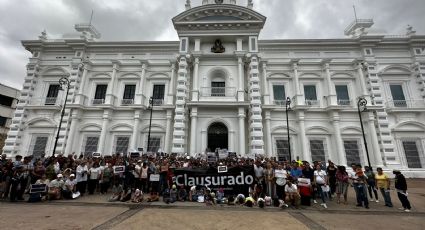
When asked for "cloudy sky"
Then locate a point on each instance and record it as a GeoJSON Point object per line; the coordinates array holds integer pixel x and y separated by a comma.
{"type": "Point", "coordinates": [151, 20]}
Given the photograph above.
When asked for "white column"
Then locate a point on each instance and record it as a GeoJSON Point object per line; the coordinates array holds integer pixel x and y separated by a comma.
{"type": "Point", "coordinates": [169, 130]}
{"type": "Point", "coordinates": [101, 145]}
{"type": "Point", "coordinates": [296, 79]}
{"type": "Point", "coordinates": [135, 136]}
{"type": "Point", "coordinates": [110, 97]}
{"type": "Point", "coordinates": [204, 140]}
{"type": "Point", "coordinates": [242, 143]}
{"type": "Point", "coordinates": [268, 135]}
{"type": "Point", "coordinates": [72, 129]}
{"type": "Point", "coordinates": [339, 144]}
{"type": "Point", "coordinates": [362, 79]}
{"type": "Point", "coordinates": [231, 141]}
{"type": "Point", "coordinates": [376, 152]}
{"type": "Point", "coordinates": [193, 133]}
{"type": "Point", "coordinates": [80, 97]}
{"type": "Point", "coordinates": [304, 142]}
{"type": "Point", "coordinates": [195, 94]}
{"type": "Point", "coordinates": [171, 93]}
{"type": "Point", "coordinates": [241, 82]}
{"type": "Point", "coordinates": [265, 85]}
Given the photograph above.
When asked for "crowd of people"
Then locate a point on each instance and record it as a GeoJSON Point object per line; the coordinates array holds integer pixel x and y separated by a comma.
{"type": "Point", "coordinates": [150, 177]}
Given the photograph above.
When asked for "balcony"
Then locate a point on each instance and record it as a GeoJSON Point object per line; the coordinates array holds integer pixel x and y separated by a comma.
{"type": "Point", "coordinates": [157, 102]}
{"type": "Point", "coordinates": [315, 103]}
{"type": "Point", "coordinates": [218, 92]}
{"type": "Point", "coordinates": [125, 102]}
{"type": "Point", "coordinates": [344, 102]}
{"type": "Point", "coordinates": [98, 101]}
{"type": "Point", "coordinates": [406, 104]}
{"type": "Point", "coordinates": [279, 102]}
{"type": "Point", "coordinates": [45, 103]}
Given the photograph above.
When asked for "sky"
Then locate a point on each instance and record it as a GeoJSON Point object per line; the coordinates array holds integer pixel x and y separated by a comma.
{"type": "Point", "coordinates": [150, 20]}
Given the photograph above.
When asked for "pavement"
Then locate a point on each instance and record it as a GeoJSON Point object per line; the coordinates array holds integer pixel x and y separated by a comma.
{"type": "Point", "coordinates": [94, 212]}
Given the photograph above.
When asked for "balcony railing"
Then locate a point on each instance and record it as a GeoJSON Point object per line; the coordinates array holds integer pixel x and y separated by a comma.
{"type": "Point", "coordinates": [406, 104]}
{"type": "Point", "coordinates": [312, 102]}
{"type": "Point", "coordinates": [218, 92]}
{"type": "Point", "coordinates": [127, 101]}
{"type": "Point", "coordinates": [98, 101]}
{"type": "Point", "coordinates": [344, 102]}
{"type": "Point", "coordinates": [42, 101]}
{"type": "Point", "coordinates": [279, 102]}
{"type": "Point", "coordinates": [158, 102]}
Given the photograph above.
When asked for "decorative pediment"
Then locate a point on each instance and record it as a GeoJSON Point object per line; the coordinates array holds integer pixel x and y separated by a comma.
{"type": "Point", "coordinates": [222, 17]}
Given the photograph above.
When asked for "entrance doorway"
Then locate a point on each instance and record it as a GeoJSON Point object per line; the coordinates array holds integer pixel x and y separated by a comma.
{"type": "Point", "coordinates": [217, 136]}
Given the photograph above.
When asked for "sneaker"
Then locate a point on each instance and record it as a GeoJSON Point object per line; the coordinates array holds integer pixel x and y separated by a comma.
{"type": "Point", "coordinates": [372, 200]}
{"type": "Point", "coordinates": [407, 210]}
{"type": "Point", "coordinates": [324, 205]}
{"type": "Point", "coordinates": [377, 201]}
{"type": "Point", "coordinates": [315, 201]}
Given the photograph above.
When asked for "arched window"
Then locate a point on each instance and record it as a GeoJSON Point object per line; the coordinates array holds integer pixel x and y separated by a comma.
{"type": "Point", "coordinates": [218, 83]}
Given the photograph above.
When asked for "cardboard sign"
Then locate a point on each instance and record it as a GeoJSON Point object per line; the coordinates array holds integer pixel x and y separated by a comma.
{"type": "Point", "coordinates": [119, 169]}
{"type": "Point", "coordinates": [211, 159]}
{"type": "Point", "coordinates": [134, 155]}
{"type": "Point", "coordinates": [154, 177]}
{"type": "Point", "coordinates": [96, 155]}
{"type": "Point", "coordinates": [232, 155]}
{"type": "Point", "coordinates": [38, 188]}
{"type": "Point", "coordinates": [223, 154]}
{"type": "Point", "coordinates": [304, 182]}
{"type": "Point", "coordinates": [222, 169]}
{"type": "Point", "coordinates": [140, 149]}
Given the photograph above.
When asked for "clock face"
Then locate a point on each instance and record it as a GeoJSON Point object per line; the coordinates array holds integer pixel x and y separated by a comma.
{"type": "Point", "coordinates": [218, 1]}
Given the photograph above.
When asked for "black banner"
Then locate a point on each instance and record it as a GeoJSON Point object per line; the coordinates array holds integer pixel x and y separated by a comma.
{"type": "Point", "coordinates": [236, 180]}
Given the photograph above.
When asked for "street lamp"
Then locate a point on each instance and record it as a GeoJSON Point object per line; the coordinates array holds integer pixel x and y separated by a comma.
{"type": "Point", "coordinates": [150, 123]}
{"type": "Point", "coordinates": [361, 107]}
{"type": "Point", "coordinates": [63, 82]}
{"type": "Point", "coordinates": [287, 108]}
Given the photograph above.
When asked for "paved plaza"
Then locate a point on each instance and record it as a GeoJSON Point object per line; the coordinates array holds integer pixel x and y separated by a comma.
{"type": "Point", "coordinates": [93, 212]}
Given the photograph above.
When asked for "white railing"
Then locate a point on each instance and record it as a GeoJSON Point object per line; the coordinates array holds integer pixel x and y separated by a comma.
{"type": "Point", "coordinates": [344, 102]}
{"type": "Point", "coordinates": [98, 101]}
{"type": "Point", "coordinates": [218, 92]}
{"type": "Point", "coordinates": [45, 101]}
{"type": "Point", "coordinates": [157, 102]}
{"type": "Point", "coordinates": [406, 104]}
{"type": "Point", "coordinates": [279, 102]}
{"type": "Point", "coordinates": [127, 101]}
{"type": "Point", "coordinates": [312, 102]}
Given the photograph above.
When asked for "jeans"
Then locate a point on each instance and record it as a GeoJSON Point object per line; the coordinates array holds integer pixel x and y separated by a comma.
{"type": "Point", "coordinates": [371, 187]}
{"type": "Point", "coordinates": [356, 190]}
{"type": "Point", "coordinates": [362, 195]}
{"type": "Point", "coordinates": [403, 199]}
{"type": "Point", "coordinates": [320, 192]}
{"type": "Point", "coordinates": [387, 198]}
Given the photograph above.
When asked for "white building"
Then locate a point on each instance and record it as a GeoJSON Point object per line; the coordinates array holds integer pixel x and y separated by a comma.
{"type": "Point", "coordinates": [221, 87]}
{"type": "Point", "coordinates": [8, 100]}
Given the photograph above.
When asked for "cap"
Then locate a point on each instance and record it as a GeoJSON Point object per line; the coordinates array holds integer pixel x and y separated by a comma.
{"type": "Point", "coordinates": [72, 175]}
{"type": "Point", "coordinates": [59, 175]}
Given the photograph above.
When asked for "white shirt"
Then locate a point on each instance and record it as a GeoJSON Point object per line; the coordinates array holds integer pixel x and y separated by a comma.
{"type": "Point", "coordinates": [81, 173]}
{"type": "Point", "coordinates": [70, 184]}
{"type": "Point", "coordinates": [281, 176]}
{"type": "Point", "coordinates": [320, 176]}
{"type": "Point", "coordinates": [258, 171]}
{"type": "Point", "coordinates": [137, 171]}
{"type": "Point", "coordinates": [94, 173]}
{"type": "Point", "coordinates": [291, 188]}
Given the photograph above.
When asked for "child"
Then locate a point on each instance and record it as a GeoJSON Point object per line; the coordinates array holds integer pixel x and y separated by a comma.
{"type": "Point", "coordinates": [137, 197]}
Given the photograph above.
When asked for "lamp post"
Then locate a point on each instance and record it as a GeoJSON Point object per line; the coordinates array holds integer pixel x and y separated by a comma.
{"type": "Point", "coordinates": [150, 123]}
{"type": "Point", "coordinates": [361, 107]}
{"type": "Point", "coordinates": [287, 108]}
{"type": "Point", "coordinates": [63, 82]}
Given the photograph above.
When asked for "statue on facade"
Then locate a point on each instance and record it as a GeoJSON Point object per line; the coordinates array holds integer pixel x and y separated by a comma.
{"type": "Point", "coordinates": [218, 47]}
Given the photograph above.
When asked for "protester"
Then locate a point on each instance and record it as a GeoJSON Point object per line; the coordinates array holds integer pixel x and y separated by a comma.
{"type": "Point", "coordinates": [401, 186]}
{"type": "Point", "coordinates": [94, 174]}
{"type": "Point", "coordinates": [321, 182]}
{"type": "Point", "coordinates": [371, 184]}
{"type": "Point", "coordinates": [55, 188]}
{"type": "Point", "coordinates": [82, 171]}
{"type": "Point", "coordinates": [292, 194]}
{"type": "Point", "coordinates": [383, 184]}
{"type": "Point", "coordinates": [341, 184]}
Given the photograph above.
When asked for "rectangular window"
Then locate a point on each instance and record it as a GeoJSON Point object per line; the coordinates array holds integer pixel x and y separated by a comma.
{"type": "Point", "coordinates": [218, 89]}
{"type": "Point", "coordinates": [3, 121]}
{"type": "Point", "coordinates": [91, 144]}
{"type": "Point", "coordinates": [282, 147]}
{"type": "Point", "coordinates": [279, 94]}
{"type": "Point", "coordinates": [310, 93]}
{"type": "Point", "coordinates": [158, 94]}
{"type": "Point", "coordinates": [38, 145]}
{"type": "Point", "coordinates": [52, 94]}
{"type": "Point", "coordinates": [6, 101]}
{"type": "Point", "coordinates": [100, 91]}
{"type": "Point", "coordinates": [129, 92]}
{"type": "Point", "coordinates": [342, 95]}
{"type": "Point", "coordinates": [398, 96]}
{"type": "Point", "coordinates": [121, 144]}
{"type": "Point", "coordinates": [352, 152]}
{"type": "Point", "coordinates": [154, 144]}
{"type": "Point", "coordinates": [317, 149]}
{"type": "Point", "coordinates": [412, 154]}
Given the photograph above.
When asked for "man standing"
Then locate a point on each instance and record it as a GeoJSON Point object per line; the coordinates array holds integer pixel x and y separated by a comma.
{"type": "Point", "coordinates": [82, 177]}
{"type": "Point", "coordinates": [401, 186]}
